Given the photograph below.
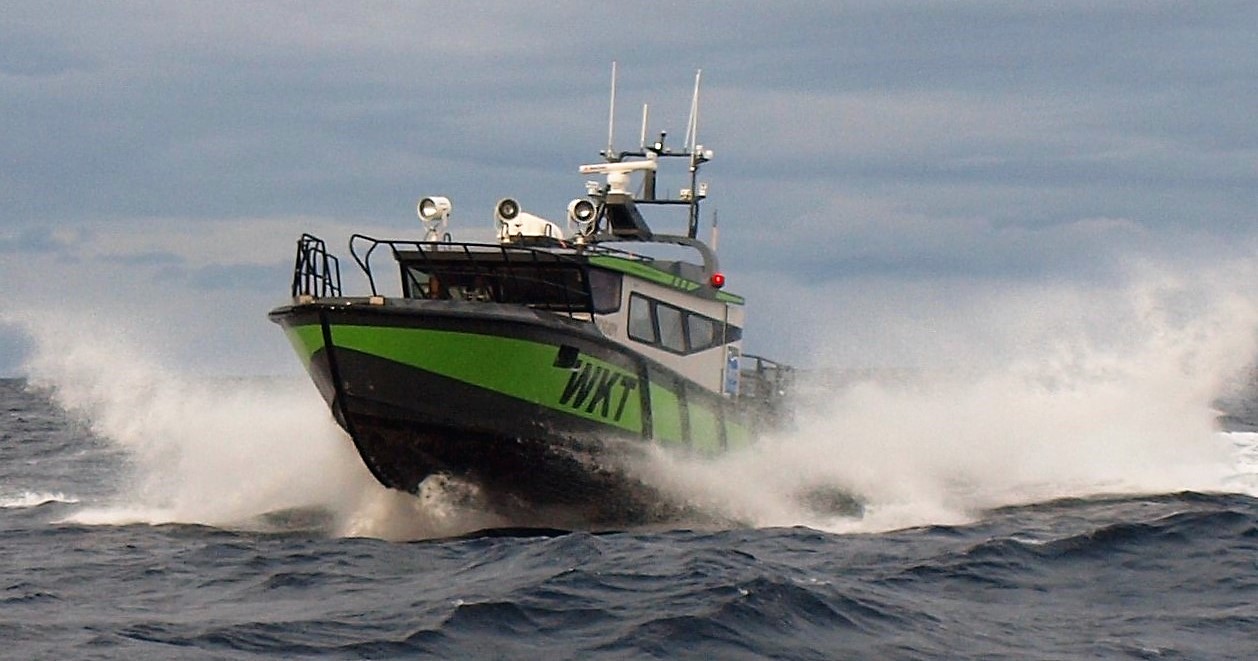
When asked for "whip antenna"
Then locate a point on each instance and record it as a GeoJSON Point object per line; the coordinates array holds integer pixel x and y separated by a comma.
{"type": "Point", "coordinates": [692, 128]}
{"type": "Point", "coordinates": [642, 136]}
{"type": "Point", "coordinates": [611, 116]}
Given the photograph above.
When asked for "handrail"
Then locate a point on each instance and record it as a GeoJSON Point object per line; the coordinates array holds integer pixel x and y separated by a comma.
{"type": "Point", "coordinates": [711, 264]}
{"type": "Point", "coordinates": [364, 262]}
{"type": "Point", "coordinates": [766, 380]}
{"type": "Point", "coordinates": [315, 272]}
{"type": "Point", "coordinates": [362, 248]}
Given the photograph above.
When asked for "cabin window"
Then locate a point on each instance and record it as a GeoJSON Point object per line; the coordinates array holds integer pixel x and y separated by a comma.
{"type": "Point", "coordinates": [701, 331]}
{"type": "Point", "coordinates": [676, 330]}
{"type": "Point", "coordinates": [672, 332]}
{"type": "Point", "coordinates": [641, 324]}
{"type": "Point", "coordinates": [546, 286]}
{"type": "Point", "coordinates": [605, 290]}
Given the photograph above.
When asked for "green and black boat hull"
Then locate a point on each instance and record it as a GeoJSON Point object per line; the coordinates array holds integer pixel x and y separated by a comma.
{"type": "Point", "coordinates": [529, 405]}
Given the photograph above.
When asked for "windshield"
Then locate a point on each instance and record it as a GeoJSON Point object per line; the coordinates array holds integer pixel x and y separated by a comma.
{"type": "Point", "coordinates": [566, 287]}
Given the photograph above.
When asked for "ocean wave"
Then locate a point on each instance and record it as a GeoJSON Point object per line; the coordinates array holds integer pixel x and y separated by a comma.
{"type": "Point", "coordinates": [28, 499]}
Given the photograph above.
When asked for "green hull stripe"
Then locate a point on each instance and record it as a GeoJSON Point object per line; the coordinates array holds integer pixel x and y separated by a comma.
{"type": "Point", "coordinates": [737, 435]}
{"type": "Point", "coordinates": [665, 415]}
{"type": "Point", "coordinates": [525, 370]}
{"type": "Point", "coordinates": [705, 435]}
{"type": "Point", "coordinates": [306, 340]}
{"type": "Point", "coordinates": [595, 390]}
{"type": "Point", "coordinates": [640, 270]}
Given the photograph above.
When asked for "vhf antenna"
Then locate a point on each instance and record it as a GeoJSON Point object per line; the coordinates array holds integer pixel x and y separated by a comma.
{"type": "Point", "coordinates": [692, 127]}
{"type": "Point", "coordinates": [611, 118]}
{"type": "Point", "coordinates": [692, 143]}
{"type": "Point", "coordinates": [642, 136]}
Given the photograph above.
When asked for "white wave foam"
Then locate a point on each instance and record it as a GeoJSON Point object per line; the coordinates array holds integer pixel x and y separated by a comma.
{"type": "Point", "coordinates": [28, 499]}
{"type": "Point", "coordinates": [1125, 410]}
{"type": "Point", "coordinates": [221, 452]}
{"type": "Point", "coordinates": [1245, 478]}
{"type": "Point", "coordinates": [1088, 404]}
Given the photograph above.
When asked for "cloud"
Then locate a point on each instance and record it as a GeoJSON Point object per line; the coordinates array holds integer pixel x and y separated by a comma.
{"type": "Point", "coordinates": [890, 242]}
{"type": "Point", "coordinates": [179, 149]}
{"type": "Point", "coordinates": [32, 240]}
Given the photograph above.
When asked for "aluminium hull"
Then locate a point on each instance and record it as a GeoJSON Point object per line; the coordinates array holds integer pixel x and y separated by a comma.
{"type": "Point", "coordinates": [529, 405]}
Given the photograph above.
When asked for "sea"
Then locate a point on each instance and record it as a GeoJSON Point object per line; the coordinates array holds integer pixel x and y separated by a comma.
{"type": "Point", "coordinates": [1054, 511]}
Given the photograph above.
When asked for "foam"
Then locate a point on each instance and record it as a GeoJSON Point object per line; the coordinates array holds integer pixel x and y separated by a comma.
{"type": "Point", "coordinates": [1063, 392]}
{"type": "Point", "coordinates": [28, 499]}
{"type": "Point", "coordinates": [1124, 406]}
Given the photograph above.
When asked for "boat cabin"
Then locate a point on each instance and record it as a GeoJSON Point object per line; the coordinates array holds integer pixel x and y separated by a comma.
{"type": "Point", "coordinates": [641, 303]}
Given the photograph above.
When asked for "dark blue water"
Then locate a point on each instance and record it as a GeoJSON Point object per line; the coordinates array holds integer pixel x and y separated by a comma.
{"type": "Point", "coordinates": [1167, 575]}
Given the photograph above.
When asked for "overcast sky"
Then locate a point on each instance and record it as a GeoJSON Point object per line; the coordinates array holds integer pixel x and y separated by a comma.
{"type": "Point", "coordinates": [885, 171]}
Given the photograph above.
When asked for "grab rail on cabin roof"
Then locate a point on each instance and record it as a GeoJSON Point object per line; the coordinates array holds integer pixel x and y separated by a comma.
{"type": "Point", "coordinates": [501, 268]}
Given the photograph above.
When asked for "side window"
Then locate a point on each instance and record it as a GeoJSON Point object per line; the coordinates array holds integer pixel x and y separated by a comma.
{"type": "Point", "coordinates": [605, 290]}
{"type": "Point", "coordinates": [672, 333]}
{"type": "Point", "coordinates": [641, 326]}
{"type": "Point", "coordinates": [674, 329]}
{"type": "Point", "coordinates": [702, 332]}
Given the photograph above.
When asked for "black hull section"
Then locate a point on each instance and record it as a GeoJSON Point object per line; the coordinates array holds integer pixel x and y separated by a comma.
{"type": "Point", "coordinates": [409, 424]}
{"type": "Point", "coordinates": [515, 474]}
{"type": "Point", "coordinates": [582, 470]}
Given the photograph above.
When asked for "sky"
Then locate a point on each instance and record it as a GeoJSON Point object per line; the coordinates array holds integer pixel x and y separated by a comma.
{"type": "Point", "coordinates": [893, 179]}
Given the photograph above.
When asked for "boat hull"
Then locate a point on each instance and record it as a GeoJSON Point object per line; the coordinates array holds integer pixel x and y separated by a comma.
{"type": "Point", "coordinates": [532, 407]}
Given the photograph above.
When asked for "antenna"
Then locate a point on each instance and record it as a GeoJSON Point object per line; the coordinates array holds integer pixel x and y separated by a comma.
{"type": "Point", "coordinates": [697, 190]}
{"type": "Point", "coordinates": [692, 128]}
{"type": "Point", "coordinates": [642, 137]}
{"type": "Point", "coordinates": [611, 116]}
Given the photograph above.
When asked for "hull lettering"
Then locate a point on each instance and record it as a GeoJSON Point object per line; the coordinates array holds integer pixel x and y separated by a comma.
{"type": "Point", "coordinates": [593, 389]}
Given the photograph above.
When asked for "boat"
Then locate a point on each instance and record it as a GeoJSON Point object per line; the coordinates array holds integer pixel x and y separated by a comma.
{"type": "Point", "coordinates": [533, 367]}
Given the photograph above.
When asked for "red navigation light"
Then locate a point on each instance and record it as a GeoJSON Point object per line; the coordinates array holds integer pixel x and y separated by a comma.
{"type": "Point", "coordinates": [718, 280]}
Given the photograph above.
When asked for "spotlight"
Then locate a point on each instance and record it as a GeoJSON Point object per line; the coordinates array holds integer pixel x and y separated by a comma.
{"type": "Point", "coordinates": [434, 208]}
{"type": "Point", "coordinates": [580, 211]}
{"type": "Point", "coordinates": [507, 209]}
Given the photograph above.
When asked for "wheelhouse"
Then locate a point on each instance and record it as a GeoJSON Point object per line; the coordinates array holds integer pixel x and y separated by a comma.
{"type": "Point", "coordinates": [520, 276]}
{"type": "Point", "coordinates": [657, 308]}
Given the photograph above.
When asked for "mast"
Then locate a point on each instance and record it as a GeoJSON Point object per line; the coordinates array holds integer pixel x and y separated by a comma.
{"type": "Point", "coordinates": [614, 198]}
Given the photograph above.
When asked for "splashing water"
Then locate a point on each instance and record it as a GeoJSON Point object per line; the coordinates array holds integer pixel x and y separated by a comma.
{"type": "Point", "coordinates": [222, 452]}
{"type": "Point", "coordinates": [1129, 411]}
{"type": "Point", "coordinates": [1128, 414]}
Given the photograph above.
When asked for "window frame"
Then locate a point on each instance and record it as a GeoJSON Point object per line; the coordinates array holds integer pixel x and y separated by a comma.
{"type": "Point", "coordinates": [723, 333]}
{"type": "Point", "coordinates": [634, 300]}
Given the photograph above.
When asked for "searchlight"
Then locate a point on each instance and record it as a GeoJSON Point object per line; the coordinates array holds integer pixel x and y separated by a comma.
{"type": "Point", "coordinates": [434, 213]}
